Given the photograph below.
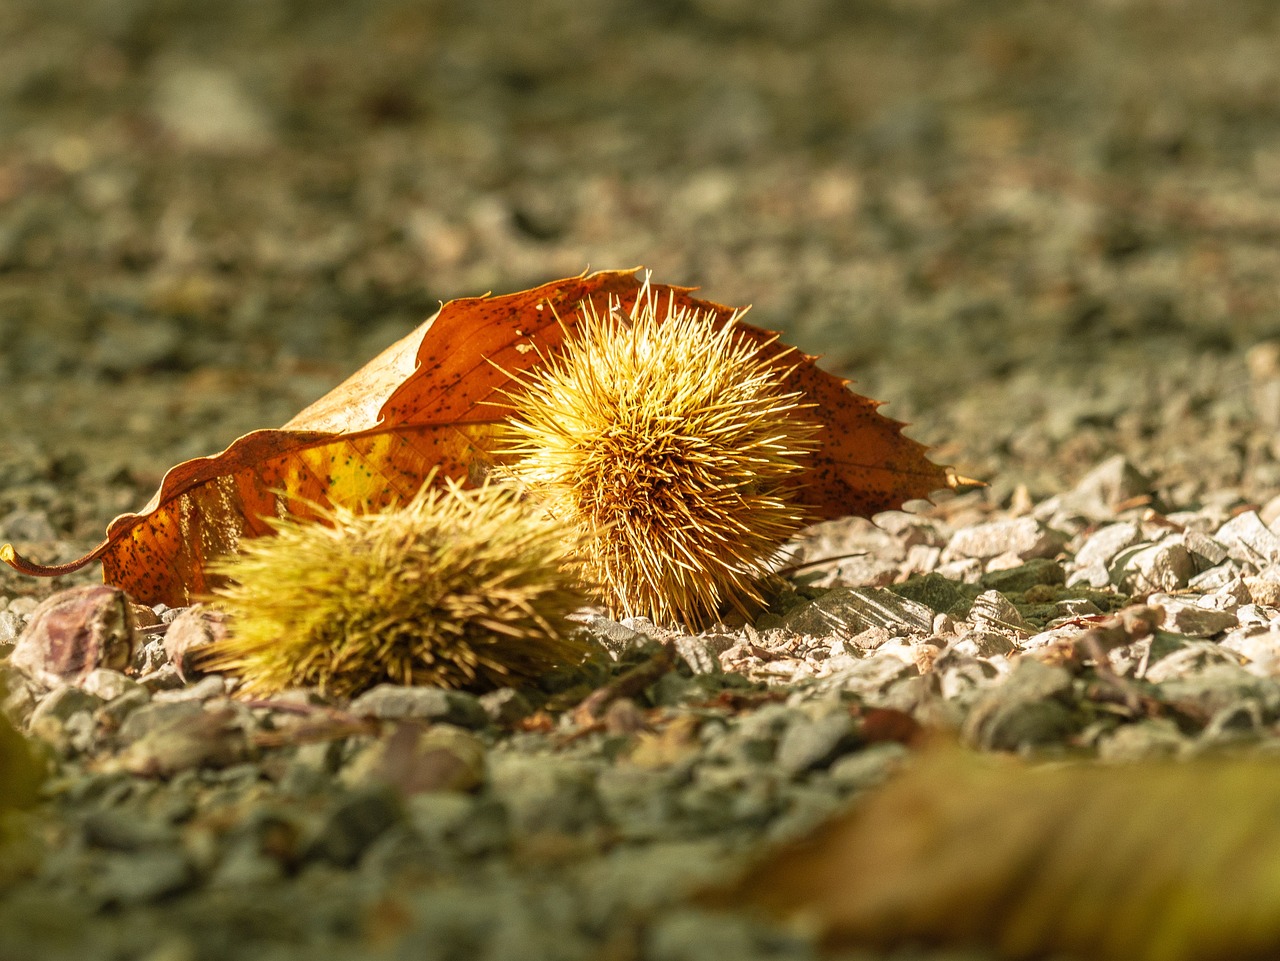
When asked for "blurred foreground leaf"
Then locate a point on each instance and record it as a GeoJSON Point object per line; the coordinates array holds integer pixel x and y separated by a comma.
{"type": "Point", "coordinates": [20, 776]}
{"type": "Point", "coordinates": [1150, 862]}
{"type": "Point", "coordinates": [20, 773]}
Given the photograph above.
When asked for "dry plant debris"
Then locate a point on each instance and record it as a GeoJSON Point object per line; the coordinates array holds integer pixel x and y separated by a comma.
{"type": "Point", "coordinates": [672, 448]}
{"type": "Point", "coordinates": [459, 589]}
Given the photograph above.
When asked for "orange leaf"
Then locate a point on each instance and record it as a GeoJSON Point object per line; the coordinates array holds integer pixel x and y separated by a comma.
{"type": "Point", "coordinates": [434, 400]}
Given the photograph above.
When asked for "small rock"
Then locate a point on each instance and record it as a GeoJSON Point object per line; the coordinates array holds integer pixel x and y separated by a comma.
{"type": "Point", "coordinates": [1184, 616]}
{"type": "Point", "coordinates": [985, 644]}
{"type": "Point", "coordinates": [935, 592]}
{"type": "Point", "coordinates": [207, 688]}
{"type": "Point", "coordinates": [1113, 482]}
{"type": "Point", "coordinates": [1024, 536]}
{"type": "Point", "coordinates": [393, 702]}
{"type": "Point", "coordinates": [163, 678]}
{"type": "Point", "coordinates": [617, 639]}
{"type": "Point", "coordinates": [117, 709]}
{"type": "Point", "coordinates": [208, 109]}
{"type": "Point", "coordinates": [1260, 648]}
{"type": "Point", "coordinates": [459, 823]}
{"type": "Point", "coordinates": [10, 627]}
{"type": "Point", "coordinates": [1215, 577]}
{"type": "Point", "coordinates": [354, 823]}
{"type": "Point", "coordinates": [114, 830]}
{"type": "Point", "coordinates": [1023, 577]}
{"type": "Point", "coordinates": [967, 570]}
{"type": "Point", "coordinates": [23, 606]}
{"type": "Point", "coordinates": [868, 640]}
{"type": "Point", "coordinates": [1264, 590]}
{"type": "Point", "coordinates": [1104, 544]}
{"type": "Point", "coordinates": [143, 877]}
{"type": "Point", "coordinates": [20, 696]}
{"type": "Point", "coordinates": [157, 717]}
{"type": "Point", "coordinates": [697, 655]}
{"type": "Point", "coordinates": [811, 743]}
{"type": "Point", "coordinates": [993, 613]}
{"type": "Point", "coordinates": [150, 656]}
{"type": "Point", "coordinates": [911, 529]}
{"type": "Point", "coordinates": [1158, 737]}
{"type": "Point", "coordinates": [1256, 615]}
{"type": "Point", "coordinates": [60, 704]}
{"type": "Point", "coordinates": [75, 631]}
{"type": "Point", "coordinates": [1026, 710]}
{"type": "Point", "coordinates": [1175, 657]}
{"type": "Point", "coordinates": [205, 739]}
{"type": "Point", "coordinates": [1249, 541]}
{"type": "Point", "coordinates": [1166, 566]}
{"type": "Point", "coordinates": [27, 526]}
{"type": "Point", "coordinates": [108, 685]}
{"type": "Point", "coordinates": [416, 757]}
{"type": "Point", "coordinates": [1219, 687]}
{"type": "Point", "coordinates": [190, 635]}
{"type": "Point", "coordinates": [545, 793]}
{"type": "Point", "coordinates": [1206, 550]}
{"type": "Point", "coordinates": [505, 706]}
{"type": "Point", "coordinates": [869, 767]}
{"type": "Point", "coordinates": [846, 612]}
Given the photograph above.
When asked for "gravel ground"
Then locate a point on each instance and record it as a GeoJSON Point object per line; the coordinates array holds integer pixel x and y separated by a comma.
{"type": "Point", "coordinates": [1045, 233]}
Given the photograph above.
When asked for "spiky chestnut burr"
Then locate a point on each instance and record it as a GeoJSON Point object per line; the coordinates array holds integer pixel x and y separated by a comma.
{"type": "Point", "coordinates": [669, 446]}
{"type": "Point", "coordinates": [458, 588]}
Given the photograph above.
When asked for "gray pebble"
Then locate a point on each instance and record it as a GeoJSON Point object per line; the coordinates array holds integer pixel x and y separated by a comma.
{"type": "Point", "coordinates": [142, 877]}
{"type": "Point", "coordinates": [1113, 482]}
{"type": "Point", "coordinates": [697, 655]}
{"type": "Point", "coordinates": [846, 612]}
{"type": "Point", "coordinates": [1218, 687]}
{"type": "Point", "coordinates": [1165, 566]}
{"type": "Point", "coordinates": [353, 823]}
{"type": "Point", "coordinates": [1185, 616]}
{"type": "Point", "coordinates": [113, 829]}
{"type": "Point", "coordinates": [1040, 570]}
{"type": "Point", "coordinates": [545, 793]}
{"type": "Point", "coordinates": [60, 704]}
{"type": "Point", "coordinates": [1024, 536]}
{"type": "Point", "coordinates": [938, 593]}
{"type": "Point", "coordinates": [1106, 542]}
{"type": "Point", "coordinates": [868, 767]}
{"type": "Point", "coordinates": [640, 803]}
{"type": "Point", "coordinates": [993, 613]}
{"type": "Point", "coordinates": [1249, 541]}
{"type": "Point", "coordinates": [1027, 709]}
{"type": "Point", "coordinates": [157, 717]}
{"type": "Point", "coordinates": [617, 639]}
{"type": "Point", "coordinates": [1215, 577]}
{"type": "Point", "coordinates": [812, 743]}
{"type": "Point", "coordinates": [505, 706]}
{"type": "Point", "coordinates": [394, 702]}
{"type": "Point", "coordinates": [27, 526]}
{"type": "Point", "coordinates": [109, 685]}
{"type": "Point", "coordinates": [459, 824]}
{"type": "Point", "coordinates": [11, 624]}
{"type": "Point", "coordinates": [211, 686]}
{"type": "Point", "coordinates": [1142, 741]}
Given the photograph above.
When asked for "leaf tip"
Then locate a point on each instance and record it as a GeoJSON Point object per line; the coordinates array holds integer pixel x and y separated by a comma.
{"type": "Point", "coordinates": [961, 484]}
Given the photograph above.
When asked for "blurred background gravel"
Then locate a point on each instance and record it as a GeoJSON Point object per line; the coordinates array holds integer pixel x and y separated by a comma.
{"type": "Point", "coordinates": [1043, 232]}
